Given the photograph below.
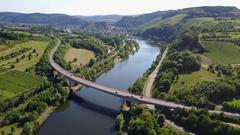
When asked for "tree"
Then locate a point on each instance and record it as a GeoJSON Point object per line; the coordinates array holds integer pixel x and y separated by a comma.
{"type": "Point", "coordinates": [75, 60]}
{"type": "Point", "coordinates": [17, 60]}
{"type": "Point", "coordinates": [12, 66]}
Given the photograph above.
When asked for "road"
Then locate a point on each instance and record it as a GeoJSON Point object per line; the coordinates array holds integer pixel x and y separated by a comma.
{"type": "Point", "coordinates": [119, 93]}
{"type": "Point", "coordinates": [152, 77]}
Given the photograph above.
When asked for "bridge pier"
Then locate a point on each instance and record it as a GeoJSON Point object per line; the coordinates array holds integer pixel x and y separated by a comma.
{"type": "Point", "coordinates": [71, 83]}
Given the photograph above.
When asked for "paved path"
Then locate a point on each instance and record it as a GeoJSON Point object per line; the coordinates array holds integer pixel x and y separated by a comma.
{"type": "Point", "coordinates": [152, 77]}
{"type": "Point", "coordinates": [119, 93]}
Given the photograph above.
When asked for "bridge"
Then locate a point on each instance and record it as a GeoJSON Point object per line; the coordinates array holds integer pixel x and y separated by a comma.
{"type": "Point", "coordinates": [116, 92]}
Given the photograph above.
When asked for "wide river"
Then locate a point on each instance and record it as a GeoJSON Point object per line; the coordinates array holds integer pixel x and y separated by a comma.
{"type": "Point", "coordinates": [95, 113]}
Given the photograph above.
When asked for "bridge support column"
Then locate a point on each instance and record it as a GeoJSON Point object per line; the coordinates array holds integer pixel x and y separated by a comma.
{"type": "Point", "coordinates": [71, 83]}
{"type": "Point", "coordinates": [55, 73]}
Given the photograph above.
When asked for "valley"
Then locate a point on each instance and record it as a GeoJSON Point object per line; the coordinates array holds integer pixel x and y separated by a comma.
{"type": "Point", "coordinates": [186, 60]}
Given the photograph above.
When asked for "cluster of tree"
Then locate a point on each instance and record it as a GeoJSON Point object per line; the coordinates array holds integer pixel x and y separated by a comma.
{"type": "Point", "coordinates": [188, 41]}
{"type": "Point", "coordinates": [174, 63]}
{"type": "Point", "coordinates": [6, 36]}
{"type": "Point", "coordinates": [138, 86]}
{"type": "Point", "coordinates": [114, 41]}
{"type": "Point", "coordinates": [142, 121]}
{"type": "Point", "coordinates": [201, 122]}
{"type": "Point", "coordinates": [90, 43]}
{"type": "Point", "coordinates": [165, 33]}
{"type": "Point", "coordinates": [207, 94]}
{"type": "Point", "coordinates": [15, 53]}
{"type": "Point", "coordinates": [97, 67]}
{"type": "Point", "coordinates": [59, 57]}
{"type": "Point", "coordinates": [43, 67]}
{"type": "Point", "coordinates": [127, 48]}
{"type": "Point", "coordinates": [226, 70]}
{"type": "Point", "coordinates": [26, 115]}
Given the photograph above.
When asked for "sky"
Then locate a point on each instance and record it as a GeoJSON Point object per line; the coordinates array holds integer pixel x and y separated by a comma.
{"type": "Point", "coordinates": [104, 7]}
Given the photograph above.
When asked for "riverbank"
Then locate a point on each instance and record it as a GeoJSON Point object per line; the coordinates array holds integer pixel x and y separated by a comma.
{"type": "Point", "coordinates": [95, 113]}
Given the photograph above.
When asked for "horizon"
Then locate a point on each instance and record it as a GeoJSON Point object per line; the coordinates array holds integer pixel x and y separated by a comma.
{"type": "Point", "coordinates": [109, 14]}
{"type": "Point", "coordinates": [107, 7]}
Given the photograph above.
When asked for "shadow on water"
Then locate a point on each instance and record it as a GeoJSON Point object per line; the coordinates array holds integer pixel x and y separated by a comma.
{"type": "Point", "coordinates": [93, 112]}
{"type": "Point", "coordinates": [95, 107]}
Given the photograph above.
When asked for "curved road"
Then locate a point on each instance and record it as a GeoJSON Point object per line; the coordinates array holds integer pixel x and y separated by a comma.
{"type": "Point", "coordinates": [119, 93]}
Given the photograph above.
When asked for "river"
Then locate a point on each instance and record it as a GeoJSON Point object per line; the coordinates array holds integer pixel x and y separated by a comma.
{"type": "Point", "coordinates": [95, 113]}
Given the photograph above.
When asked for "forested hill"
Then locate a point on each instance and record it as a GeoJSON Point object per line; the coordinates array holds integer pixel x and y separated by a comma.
{"type": "Point", "coordinates": [183, 28]}
{"type": "Point", "coordinates": [39, 18]}
{"type": "Point", "coordinates": [141, 21]}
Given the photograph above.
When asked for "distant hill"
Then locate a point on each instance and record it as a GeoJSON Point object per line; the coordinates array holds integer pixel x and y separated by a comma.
{"type": "Point", "coordinates": [136, 21]}
{"type": "Point", "coordinates": [181, 28]}
{"type": "Point", "coordinates": [146, 20]}
{"type": "Point", "coordinates": [101, 18]}
{"type": "Point", "coordinates": [39, 18]}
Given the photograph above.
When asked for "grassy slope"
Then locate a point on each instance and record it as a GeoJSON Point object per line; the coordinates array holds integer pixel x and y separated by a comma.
{"type": "Point", "coordinates": [170, 21]}
{"type": "Point", "coordinates": [83, 56]}
{"type": "Point", "coordinates": [40, 46]}
{"type": "Point", "coordinates": [186, 80]}
{"type": "Point", "coordinates": [222, 52]}
{"type": "Point", "coordinates": [14, 82]}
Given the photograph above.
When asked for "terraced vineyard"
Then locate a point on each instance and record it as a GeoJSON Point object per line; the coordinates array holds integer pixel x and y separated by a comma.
{"type": "Point", "coordinates": [14, 82]}
{"type": "Point", "coordinates": [222, 52]}
{"type": "Point", "coordinates": [25, 59]}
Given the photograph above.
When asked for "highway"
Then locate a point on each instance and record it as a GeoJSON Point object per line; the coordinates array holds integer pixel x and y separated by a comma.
{"type": "Point", "coordinates": [119, 93]}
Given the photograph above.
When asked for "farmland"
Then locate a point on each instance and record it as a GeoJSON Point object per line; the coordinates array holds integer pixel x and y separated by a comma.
{"type": "Point", "coordinates": [25, 59]}
{"type": "Point", "coordinates": [222, 52]}
{"type": "Point", "coordinates": [78, 57]}
{"type": "Point", "coordinates": [14, 82]}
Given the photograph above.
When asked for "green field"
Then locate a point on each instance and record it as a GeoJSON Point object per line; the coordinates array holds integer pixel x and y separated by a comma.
{"type": "Point", "coordinates": [39, 46]}
{"type": "Point", "coordinates": [235, 103]}
{"type": "Point", "coordinates": [82, 55]}
{"type": "Point", "coordinates": [222, 52]}
{"type": "Point", "coordinates": [2, 70]}
{"type": "Point", "coordinates": [186, 80]}
{"type": "Point", "coordinates": [14, 82]}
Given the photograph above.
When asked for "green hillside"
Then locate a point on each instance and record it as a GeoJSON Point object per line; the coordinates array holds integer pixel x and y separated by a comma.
{"type": "Point", "coordinates": [222, 52]}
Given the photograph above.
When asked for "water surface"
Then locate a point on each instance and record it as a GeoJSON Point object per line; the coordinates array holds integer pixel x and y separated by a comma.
{"type": "Point", "coordinates": [95, 113]}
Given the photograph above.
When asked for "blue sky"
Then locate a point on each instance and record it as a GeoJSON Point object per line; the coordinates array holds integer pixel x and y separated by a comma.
{"type": "Point", "coordinates": [103, 7]}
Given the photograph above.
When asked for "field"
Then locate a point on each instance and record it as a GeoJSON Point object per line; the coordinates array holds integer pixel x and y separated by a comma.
{"type": "Point", "coordinates": [24, 63]}
{"type": "Point", "coordinates": [186, 80]}
{"type": "Point", "coordinates": [235, 103]}
{"type": "Point", "coordinates": [222, 52]}
{"type": "Point", "coordinates": [2, 70]}
{"type": "Point", "coordinates": [82, 56]}
{"type": "Point", "coordinates": [14, 82]}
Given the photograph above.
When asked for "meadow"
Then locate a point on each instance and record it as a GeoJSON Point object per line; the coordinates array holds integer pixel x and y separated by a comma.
{"type": "Point", "coordinates": [82, 56]}
{"type": "Point", "coordinates": [222, 52]}
{"type": "Point", "coordinates": [187, 80]}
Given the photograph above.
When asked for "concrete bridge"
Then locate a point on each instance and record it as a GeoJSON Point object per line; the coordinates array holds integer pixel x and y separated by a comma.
{"type": "Point", "coordinates": [72, 80]}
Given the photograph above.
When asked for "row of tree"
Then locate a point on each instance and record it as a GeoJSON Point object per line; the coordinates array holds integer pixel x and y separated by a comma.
{"type": "Point", "coordinates": [59, 57]}
{"type": "Point", "coordinates": [201, 122]}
